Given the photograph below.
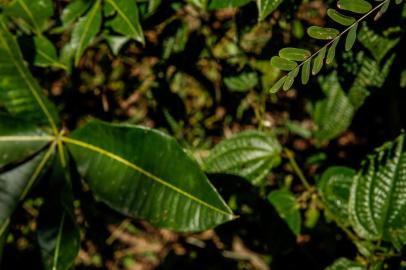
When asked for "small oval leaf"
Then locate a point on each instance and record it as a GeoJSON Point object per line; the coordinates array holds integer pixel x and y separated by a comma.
{"type": "Point", "coordinates": [340, 18]}
{"type": "Point", "coordinates": [332, 51]}
{"type": "Point", "coordinates": [290, 79]}
{"type": "Point", "coordinates": [306, 71]}
{"type": "Point", "coordinates": [294, 54]}
{"type": "Point", "coordinates": [351, 37]}
{"type": "Point", "coordinates": [283, 64]}
{"type": "Point", "coordinates": [356, 6]}
{"type": "Point", "coordinates": [277, 86]}
{"type": "Point", "coordinates": [323, 33]}
{"type": "Point", "coordinates": [318, 61]}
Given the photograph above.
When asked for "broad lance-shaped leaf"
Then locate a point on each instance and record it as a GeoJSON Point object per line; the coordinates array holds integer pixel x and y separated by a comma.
{"type": "Point", "coordinates": [266, 7]}
{"type": "Point", "coordinates": [57, 234]}
{"type": "Point", "coordinates": [144, 173]}
{"type": "Point", "coordinates": [377, 203]}
{"type": "Point", "coordinates": [334, 188]}
{"type": "Point", "coordinates": [35, 13]}
{"type": "Point", "coordinates": [45, 53]}
{"type": "Point", "coordinates": [85, 30]}
{"type": "Point", "coordinates": [126, 20]}
{"type": "Point", "coordinates": [287, 207]}
{"type": "Point", "coordinates": [17, 182]}
{"type": "Point", "coordinates": [356, 6]}
{"type": "Point", "coordinates": [19, 91]}
{"type": "Point", "coordinates": [19, 140]}
{"type": "Point", "coordinates": [249, 154]}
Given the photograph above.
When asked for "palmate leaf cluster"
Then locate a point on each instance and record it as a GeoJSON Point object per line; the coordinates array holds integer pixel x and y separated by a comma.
{"type": "Point", "coordinates": [297, 61]}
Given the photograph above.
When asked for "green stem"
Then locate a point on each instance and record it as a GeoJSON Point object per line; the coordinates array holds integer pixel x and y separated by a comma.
{"type": "Point", "coordinates": [291, 157]}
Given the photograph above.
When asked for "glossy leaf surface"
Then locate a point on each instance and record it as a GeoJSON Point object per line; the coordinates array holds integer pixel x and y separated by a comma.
{"type": "Point", "coordinates": [144, 173]}
{"type": "Point", "coordinates": [19, 91]}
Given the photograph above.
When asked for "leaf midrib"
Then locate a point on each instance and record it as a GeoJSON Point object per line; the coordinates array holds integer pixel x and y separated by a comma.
{"type": "Point", "coordinates": [28, 82]}
{"type": "Point", "coordinates": [138, 169]}
{"type": "Point", "coordinates": [122, 15]}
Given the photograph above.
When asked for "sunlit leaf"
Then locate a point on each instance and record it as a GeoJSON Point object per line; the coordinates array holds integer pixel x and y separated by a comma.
{"type": "Point", "coordinates": [250, 154]}
{"type": "Point", "coordinates": [266, 7]}
{"type": "Point", "coordinates": [74, 10]}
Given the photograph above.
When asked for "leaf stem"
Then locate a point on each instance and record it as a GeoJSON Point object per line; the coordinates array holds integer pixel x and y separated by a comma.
{"type": "Point", "coordinates": [291, 157]}
{"type": "Point", "coordinates": [342, 33]}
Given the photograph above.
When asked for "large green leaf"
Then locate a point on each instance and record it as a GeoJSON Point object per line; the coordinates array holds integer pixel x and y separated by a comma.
{"type": "Point", "coordinates": [19, 140]}
{"type": "Point", "coordinates": [332, 115]}
{"type": "Point", "coordinates": [250, 154]}
{"type": "Point", "coordinates": [266, 7]}
{"type": "Point", "coordinates": [19, 91]}
{"type": "Point", "coordinates": [146, 174]}
{"type": "Point", "coordinates": [85, 30]}
{"type": "Point", "coordinates": [126, 21]}
{"type": "Point", "coordinates": [35, 13]}
{"type": "Point", "coordinates": [334, 188]}
{"type": "Point", "coordinates": [287, 207]}
{"type": "Point", "coordinates": [57, 234]}
{"type": "Point", "coordinates": [17, 182]}
{"type": "Point", "coordinates": [377, 205]}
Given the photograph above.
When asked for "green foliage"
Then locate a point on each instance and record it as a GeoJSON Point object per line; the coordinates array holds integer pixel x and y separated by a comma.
{"type": "Point", "coordinates": [250, 154]}
{"type": "Point", "coordinates": [345, 264]}
{"type": "Point", "coordinates": [326, 33]}
{"type": "Point", "coordinates": [286, 205]}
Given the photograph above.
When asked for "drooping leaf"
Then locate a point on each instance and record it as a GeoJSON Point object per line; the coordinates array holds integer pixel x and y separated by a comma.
{"type": "Point", "coordinates": [283, 64]}
{"type": "Point", "coordinates": [17, 182]}
{"type": "Point", "coordinates": [57, 234]}
{"type": "Point", "coordinates": [345, 264]}
{"type": "Point", "coordinates": [306, 71]}
{"type": "Point", "coordinates": [126, 21]}
{"type": "Point", "coordinates": [249, 154]}
{"type": "Point", "coordinates": [219, 4]}
{"type": "Point", "coordinates": [74, 10]}
{"type": "Point", "coordinates": [319, 60]}
{"type": "Point", "coordinates": [19, 140]}
{"type": "Point", "coordinates": [266, 7]}
{"type": "Point", "coordinates": [278, 85]}
{"type": "Point", "coordinates": [340, 18]}
{"type": "Point", "coordinates": [45, 53]}
{"type": "Point", "coordinates": [19, 91]}
{"type": "Point", "coordinates": [242, 82]}
{"type": "Point", "coordinates": [323, 33]}
{"type": "Point", "coordinates": [35, 13]}
{"type": "Point", "coordinates": [334, 188]}
{"type": "Point", "coordinates": [144, 173]}
{"type": "Point", "coordinates": [356, 6]}
{"type": "Point", "coordinates": [332, 115]}
{"type": "Point", "coordinates": [294, 54]}
{"type": "Point", "coordinates": [377, 205]}
{"type": "Point", "coordinates": [287, 207]}
{"type": "Point", "coordinates": [85, 30]}
{"type": "Point", "coordinates": [351, 37]}
{"type": "Point", "coordinates": [331, 53]}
